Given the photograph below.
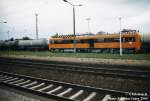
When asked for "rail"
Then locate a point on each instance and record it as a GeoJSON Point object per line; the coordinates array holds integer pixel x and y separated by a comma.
{"type": "Point", "coordinates": [60, 90]}
{"type": "Point", "coordinates": [113, 72]}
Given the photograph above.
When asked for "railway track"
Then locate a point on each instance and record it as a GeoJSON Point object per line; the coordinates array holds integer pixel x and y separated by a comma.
{"type": "Point", "coordinates": [62, 91]}
{"type": "Point", "coordinates": [113, 72]}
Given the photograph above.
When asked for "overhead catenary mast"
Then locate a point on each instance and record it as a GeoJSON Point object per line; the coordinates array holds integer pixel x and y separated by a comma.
{"type": "Point", "coordinates": [36, 16]}
{"type": "Point", "coordinates": [8, 34]}
{"type": "Point", "coordinates": [120, 37]}
{"type": "Point", "coordinates": [88, 21]}
{"type": "Point", "coordinates": [74, 23]}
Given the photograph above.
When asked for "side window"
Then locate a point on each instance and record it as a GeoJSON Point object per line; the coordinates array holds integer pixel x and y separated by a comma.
{"type": "Point", "coordinates": [112, 39]}
{"type": "Point", "coordinates": [83, 41]}
{"type": "Point", "coordinates": [57, 41]}
{"type": "Point", "coordinates": [51, 41]}
{"type": "Point", "coordinates": [78, 41]}
{"type": "Point", "coordinates": [61, 41]}
{"type": "Point", "coordinates": [108, 39]}
{"type": "Point", "coordinates": [99, 40]}
{"type": "Point", "coordinates": [116, 39]}
{"type": "Point", "coordinates": [71, 41]}
{"type": "Point", "coordinates": [67, 41]}
{"type": "Point", "coordinates": [105, 39]}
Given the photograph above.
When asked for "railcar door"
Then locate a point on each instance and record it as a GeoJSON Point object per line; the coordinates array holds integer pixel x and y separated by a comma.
{"type": "Point", "coordinates": [91, 43]}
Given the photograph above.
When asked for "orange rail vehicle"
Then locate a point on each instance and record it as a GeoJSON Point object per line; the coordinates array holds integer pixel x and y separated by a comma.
{"type": "Point", "coordinates": [131, 42]}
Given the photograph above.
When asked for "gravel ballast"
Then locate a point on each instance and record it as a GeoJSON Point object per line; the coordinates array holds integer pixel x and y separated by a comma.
{"type": "Point", "coordinates": [88, 60]}
{"type": "Point", "coordinates": [6, 95]}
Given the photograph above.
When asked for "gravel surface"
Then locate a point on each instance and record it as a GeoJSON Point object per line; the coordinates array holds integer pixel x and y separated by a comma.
{"type": "Point", "coordinates": [108, 82]}
{"type": "Point", "coordinates": [12, 94]}
{"type": "Point", "coordinates": [6, 95]}
{"type": "Point", "coordinates": [89, 60]}
{"type": "Point", "coordinates": [83, 79]}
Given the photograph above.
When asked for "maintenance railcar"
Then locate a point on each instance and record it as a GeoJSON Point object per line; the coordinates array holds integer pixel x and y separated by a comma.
{"type": "Point", "coordinates": [131, 42]}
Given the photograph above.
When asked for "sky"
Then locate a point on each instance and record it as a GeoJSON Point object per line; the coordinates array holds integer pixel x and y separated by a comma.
{"type": "Point", "coordinates": [55, 16]}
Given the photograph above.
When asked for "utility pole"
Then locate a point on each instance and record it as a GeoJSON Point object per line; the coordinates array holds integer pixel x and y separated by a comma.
{"type": "Point", "coordinates": [8, 34]}
{"type": "Point", "coordinates": [74, 29]}
{"type": "Point", "coordinates": [36, 15]}
{"type": "Point", "coordinates": [8, 40]}
{"type": "Point", "coordinates": [88, 21]}
{"type": "Point", "coordinates": [74, 24]}
{"type": "Point", "coordinates": [120, 37]}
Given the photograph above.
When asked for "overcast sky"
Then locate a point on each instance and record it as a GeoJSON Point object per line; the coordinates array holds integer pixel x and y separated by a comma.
{"type": "Point", "coordinates": [55, 16]}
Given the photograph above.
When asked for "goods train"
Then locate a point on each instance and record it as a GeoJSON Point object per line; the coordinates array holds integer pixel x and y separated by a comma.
{"type": "Point", "coordinates": [40, 44]}
{"type": "Point", "coordinates": [132, 41]}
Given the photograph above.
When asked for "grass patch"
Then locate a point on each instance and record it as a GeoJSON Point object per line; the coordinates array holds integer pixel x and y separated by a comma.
{"type": "Point", "coordinates": [78, 55]}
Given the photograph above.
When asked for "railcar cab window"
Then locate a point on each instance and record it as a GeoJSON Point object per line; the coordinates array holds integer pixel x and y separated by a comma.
{"type": "Point", "coordinates": [130, 39]}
